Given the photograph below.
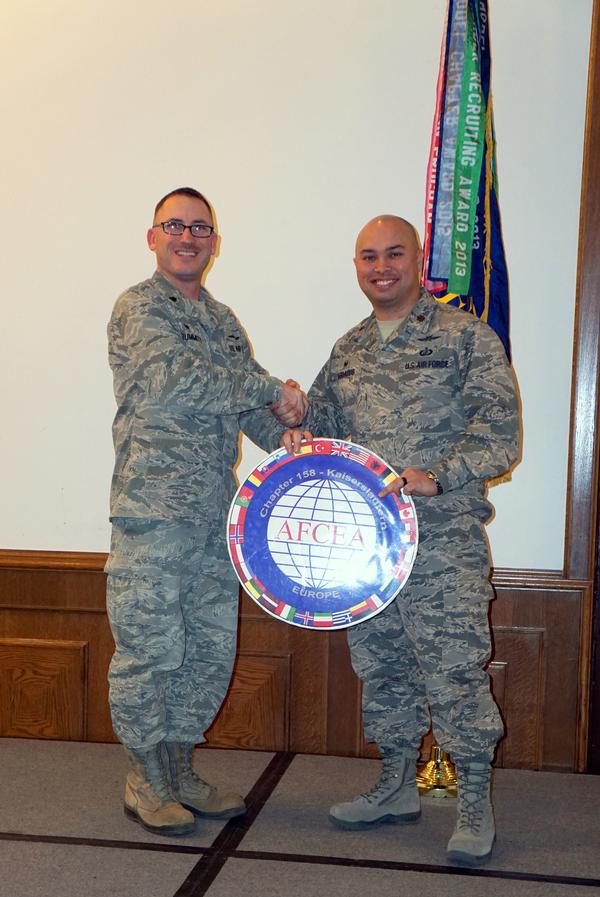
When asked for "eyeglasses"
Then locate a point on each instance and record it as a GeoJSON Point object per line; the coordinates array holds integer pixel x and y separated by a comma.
{"type": "Point", "coordinates": [176, 228]}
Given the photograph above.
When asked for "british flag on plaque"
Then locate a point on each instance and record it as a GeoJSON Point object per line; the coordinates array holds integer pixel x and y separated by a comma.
{"type": "Point", "coordinates": [313, 543]}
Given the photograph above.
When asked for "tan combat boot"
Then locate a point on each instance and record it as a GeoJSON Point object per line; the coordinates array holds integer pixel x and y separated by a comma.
{"type": "Point", "coordinates": [395, 797]}
{"type": "Point", "coordinates": [475, 832]}
{"type": "Point", "coordinates": [148, 799]}
{"type": "Point", "coordinates": [193, 792]}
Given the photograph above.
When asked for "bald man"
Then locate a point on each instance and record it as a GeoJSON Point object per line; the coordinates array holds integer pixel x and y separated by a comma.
{"type": "Point", "coordinates": [428, 388]}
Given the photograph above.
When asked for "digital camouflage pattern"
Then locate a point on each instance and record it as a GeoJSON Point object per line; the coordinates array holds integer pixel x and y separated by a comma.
{"type": "Point", "coordinates": [437, 395]}
{"type": "Point", "coordinates": [182, 372]}
{"type": "Point", "coordinates": [172, 607]}
{"type": "Point", "coordinates": [428, 650]}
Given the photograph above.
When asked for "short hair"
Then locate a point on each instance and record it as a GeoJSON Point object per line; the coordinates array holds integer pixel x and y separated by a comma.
{"type": "Point", "coordinates": [183, 191]}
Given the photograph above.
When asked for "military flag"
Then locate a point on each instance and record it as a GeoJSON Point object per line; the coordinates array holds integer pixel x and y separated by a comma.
{"type": "Point", "coordinates": [464, 263]}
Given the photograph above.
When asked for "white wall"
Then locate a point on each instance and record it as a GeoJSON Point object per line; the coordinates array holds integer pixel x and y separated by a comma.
{"type": "Point", "coordinates": [300, 122]}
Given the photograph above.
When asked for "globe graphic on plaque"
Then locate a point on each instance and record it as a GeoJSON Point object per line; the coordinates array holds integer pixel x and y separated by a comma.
{"type": "Point", "coordinates": [319, 532]}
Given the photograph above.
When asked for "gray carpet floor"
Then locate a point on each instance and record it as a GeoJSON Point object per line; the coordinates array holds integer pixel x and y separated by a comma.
{"type": "Point", "coordinates": [63, 833]}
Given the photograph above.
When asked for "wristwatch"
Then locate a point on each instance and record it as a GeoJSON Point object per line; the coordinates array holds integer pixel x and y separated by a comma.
{"type": "Point", "coordinates": [433, 476]}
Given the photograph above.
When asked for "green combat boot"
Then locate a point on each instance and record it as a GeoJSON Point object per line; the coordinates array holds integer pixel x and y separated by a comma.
{"type": "Point", "coordinates": [148, 799]}
{"type": "Point", "coordinates": [395, 798]}
{"type": "Point", "coordinates": [473, 838]}
{"type": "Point", "coordinates": [193, 792]}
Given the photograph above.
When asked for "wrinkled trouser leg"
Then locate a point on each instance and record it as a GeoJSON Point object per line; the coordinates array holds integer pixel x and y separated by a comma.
{"type": "Point", "coordinates": [172, 607]}
{"type": "Point", "coordinates": [394, 700]}
{"type": "Point", "coordinates": [196, 690]}
{"type": "Point", "coordinates": [430, 648]}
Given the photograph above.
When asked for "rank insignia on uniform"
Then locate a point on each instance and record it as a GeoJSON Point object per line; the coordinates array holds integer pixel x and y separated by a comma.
{"type": "Point", "coordinates": [234, 343]}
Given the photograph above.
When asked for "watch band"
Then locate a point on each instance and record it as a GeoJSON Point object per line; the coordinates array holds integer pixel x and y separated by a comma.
{"type": "Point", "coordinates": [433, 476]}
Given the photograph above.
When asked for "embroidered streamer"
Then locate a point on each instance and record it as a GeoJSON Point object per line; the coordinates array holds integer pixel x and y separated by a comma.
{"type": "Point", "coordinates": [464, 262]}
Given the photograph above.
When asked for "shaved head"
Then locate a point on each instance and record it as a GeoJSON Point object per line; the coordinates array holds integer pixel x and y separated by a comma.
{"type": "Point", "coordinates": [388, 260]}
{"type": "Point", "coordinates": [380, 220]}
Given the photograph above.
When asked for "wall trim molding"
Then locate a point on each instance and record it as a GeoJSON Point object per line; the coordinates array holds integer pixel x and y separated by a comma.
{"type": "Point", "coordinates": [94, 561]}
{"type": "Point", "coordinates": [508, 577]}
{"type": "Point", "coordinates": [64, 561]}
{"type": "Point", "coordinates": [582, 531]}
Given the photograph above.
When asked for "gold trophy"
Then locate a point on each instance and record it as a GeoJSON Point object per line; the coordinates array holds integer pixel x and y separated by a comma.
{"type": "Point", "coordinates": [437, 777]}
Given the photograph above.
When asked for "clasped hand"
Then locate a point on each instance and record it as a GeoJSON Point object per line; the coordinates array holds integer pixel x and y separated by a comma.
{"type": "Point", "coordinates": [292, 407]}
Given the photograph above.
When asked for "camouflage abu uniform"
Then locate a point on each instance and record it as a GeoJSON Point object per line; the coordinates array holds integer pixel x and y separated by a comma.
{"type": "Point", "coordinates": [437, 394]}
{"type": "Point", "coordinates": [182, 374]}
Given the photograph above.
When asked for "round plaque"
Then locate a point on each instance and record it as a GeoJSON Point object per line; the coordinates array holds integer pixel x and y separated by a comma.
{"type": "Point", "coordinates": [311, 541]}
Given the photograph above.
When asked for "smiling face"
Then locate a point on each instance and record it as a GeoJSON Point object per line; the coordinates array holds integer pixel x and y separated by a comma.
{"type": "Point", "coordinates": [183, 259]}
{"type": "Point", "coordinates": [388, 266]}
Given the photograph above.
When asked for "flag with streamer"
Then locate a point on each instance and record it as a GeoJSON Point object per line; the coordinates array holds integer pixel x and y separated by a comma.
{"type": "Point", "coordinates": [464, 263]}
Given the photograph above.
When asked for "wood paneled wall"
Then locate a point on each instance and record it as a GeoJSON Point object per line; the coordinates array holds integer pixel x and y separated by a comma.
{"type": "Point", "coordinates": [49, 688]}
{"type": "Point", "coordinates": [292, 689]}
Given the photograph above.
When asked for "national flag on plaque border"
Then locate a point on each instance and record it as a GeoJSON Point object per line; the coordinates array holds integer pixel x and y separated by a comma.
{"type": "Point", "coordinates": [464, 263]}
{"type": "Point", "coordinates": [313, 543]}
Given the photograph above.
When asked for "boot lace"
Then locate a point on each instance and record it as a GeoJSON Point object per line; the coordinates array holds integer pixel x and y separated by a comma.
{"type": "Point", "coordinates": [188, 775]}
{"type": "Point", "coordinates": [156, 778]}
{"type": "Point", "coordinates": [473, 800]}
{"type": "Point", "coordinates": [391, 777]}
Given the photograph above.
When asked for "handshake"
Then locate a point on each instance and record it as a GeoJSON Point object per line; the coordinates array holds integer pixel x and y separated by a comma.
{"type": "Point", "coordinates": [292, 407]}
